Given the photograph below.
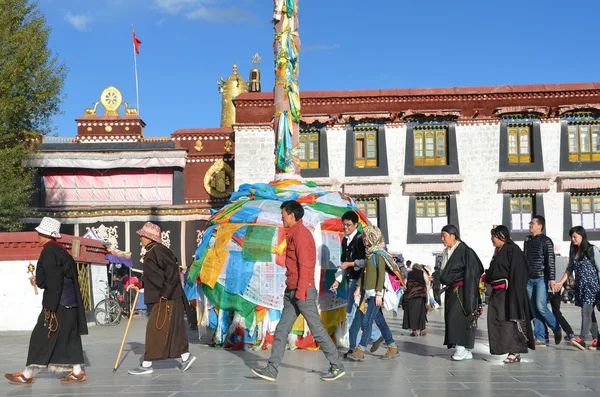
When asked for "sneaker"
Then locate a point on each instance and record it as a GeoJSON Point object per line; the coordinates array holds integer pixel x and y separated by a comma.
{"type": "Point", "coordinates": [568, 337]}
{"type": "Point", "coordinates": [392, 351]}
{"type": "Point", "coordinates": [539, 343]}
{"type": "Point", "coordinates": [141, 371]}
{"type": "Point", "coordinates": [72, 378]}
{"type": "Point", "coordinates": [18, 379]}
{"type": "Point", "coordinates": [578, 343]}
{"type": "Point", "coordinates": [264, 373]}
{"type": "Point", "coordinates": [376, 344]}
{"type": "Point", "coordinates": [185, 365]}
{"type": "Point", "coordinates": [558, 337]}
{"type": "Point", "coordinates": [333, 374]}
{"type": "Point", "coordinates": [413, 333]}
{"type": "Point", "coordinates": [357, 355]}
{"type": "Point", "coordinates": [594, 345]}
{"type": "Point", "coordinates": [462, 354]}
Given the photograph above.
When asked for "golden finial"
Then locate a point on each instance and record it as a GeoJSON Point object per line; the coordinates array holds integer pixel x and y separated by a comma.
{"type": "Point", "coordinates": [256, 59]}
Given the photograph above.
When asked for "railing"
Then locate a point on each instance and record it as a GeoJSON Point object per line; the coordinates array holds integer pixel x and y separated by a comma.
{"type": "Point", "coordinates": [58, 139]}
{"type": "Point", "coordinates": [157, 139]}
{"type": "Point", "coordinates": [83, 277]}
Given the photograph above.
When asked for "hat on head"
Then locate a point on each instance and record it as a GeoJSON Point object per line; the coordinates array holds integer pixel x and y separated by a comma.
{"type": "Point", "coordinates": [151, 231]}
{"type": "Point", "coordinates": [49, 227]}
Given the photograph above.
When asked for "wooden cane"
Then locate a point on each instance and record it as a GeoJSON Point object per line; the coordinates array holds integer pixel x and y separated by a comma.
{"type": "Point", "coordinates": [131, 311]}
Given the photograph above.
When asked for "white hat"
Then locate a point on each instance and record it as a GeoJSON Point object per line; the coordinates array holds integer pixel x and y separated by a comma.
{"type": "Point", "coordinates": [49, 227]}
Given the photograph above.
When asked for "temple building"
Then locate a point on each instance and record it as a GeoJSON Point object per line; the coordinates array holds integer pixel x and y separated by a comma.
{"type": "Point", "coordinates": [414, 159]}
{"type": "Point", "coordinates": [418, 159]}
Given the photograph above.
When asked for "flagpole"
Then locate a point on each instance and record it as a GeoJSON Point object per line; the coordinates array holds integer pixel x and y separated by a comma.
{"type": "Point", "coordinates": [137, 90]}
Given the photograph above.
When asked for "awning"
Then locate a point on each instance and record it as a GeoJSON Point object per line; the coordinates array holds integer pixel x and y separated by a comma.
{"type": "Point", "coordinates": [432, 187]}
{"type": "Point", "coordinates": [102, 161]}
{"type": "Point", "coordinates": [575, 183]}
{"type": "Point", "coordinates": [361, 190]}
{"type": "Point", "coordinates": [520, 185]}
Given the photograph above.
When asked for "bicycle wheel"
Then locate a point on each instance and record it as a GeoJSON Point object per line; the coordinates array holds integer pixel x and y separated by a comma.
{"type": "Point", "coordinates": [100, 313]}
{"type": "Point", "coordinates": [107, 312]}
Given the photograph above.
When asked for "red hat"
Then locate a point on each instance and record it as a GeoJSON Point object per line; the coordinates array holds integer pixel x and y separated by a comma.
{"type": "Point", "coordinates": [151, 231]}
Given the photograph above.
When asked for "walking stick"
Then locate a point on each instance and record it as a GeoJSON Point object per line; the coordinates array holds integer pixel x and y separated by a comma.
{"type": "Point", "coordinates": [131, 311]}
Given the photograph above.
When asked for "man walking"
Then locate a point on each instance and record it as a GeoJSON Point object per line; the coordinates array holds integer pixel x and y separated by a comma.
{"type": "Point", "coordinates": [55, 342]}
{"type": "Point", "coordinates": [539, 251]}
{"type": "Point", "coordinates": [300, 296]}
{"type": "Point", "coordinates": [166, 335]}
{"type": "Point", "coordinates": [353, 263]}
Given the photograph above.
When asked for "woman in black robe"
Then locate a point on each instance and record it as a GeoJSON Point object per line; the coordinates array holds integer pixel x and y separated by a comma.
{"type": "Point", "coordinates": [461, 272]}
{"type": "Point", "coordinates": [509, 309]}
{"type": "Point", "coordinates": [55, 342]}
{"type": "Point", "coordinates": [414, 302]}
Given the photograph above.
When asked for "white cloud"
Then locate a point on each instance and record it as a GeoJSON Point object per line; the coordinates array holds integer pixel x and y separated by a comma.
{"type": "Point", "coordinates": [232, 14]}
{"type": "Point", "coordinates": [176, 6]}
{"type": "Point", "coordinates": [80, 22]}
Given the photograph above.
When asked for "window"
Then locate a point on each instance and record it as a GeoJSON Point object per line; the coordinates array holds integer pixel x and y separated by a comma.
{"type": "Point", "coordinates": [309, 148]}
{"type": "Point", "coordinates": [521, 211]}
{"type": "Point", "coordinates": [369, 206]}
{"type": "Point", "coordinates": [584, 142]}
{"type": "Point", "coordinates": [585, 210]}
{"type": "Point", "coordinates": [432, 214]}
{"type": "Point", "coordinates": [519, 144]}
{"type": "Point", "coordinates": [430, 145]}
{"type": "Point", "coordinates": [365, 144]}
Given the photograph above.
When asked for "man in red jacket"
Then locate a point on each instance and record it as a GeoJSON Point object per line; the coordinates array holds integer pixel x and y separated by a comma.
{"type": "Point", "coordinates": [300, 296]}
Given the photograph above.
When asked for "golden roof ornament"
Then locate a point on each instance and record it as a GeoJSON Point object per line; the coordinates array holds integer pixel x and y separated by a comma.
{"type": "Point", "coordinates": [254, 85]}
{"type": "Point", "coordinates": [111, 99]}
{"type": "Point", "coordinates": [91, 111]}
{"type": "Point", "coordinates": [230, 89]}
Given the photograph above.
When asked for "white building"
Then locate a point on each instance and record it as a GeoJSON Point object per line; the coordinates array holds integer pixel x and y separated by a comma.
{"type": "Point", "coordinates": [418, 159]}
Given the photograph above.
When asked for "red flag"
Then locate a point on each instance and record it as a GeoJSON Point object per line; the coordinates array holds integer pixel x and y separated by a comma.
{"type": "Point", "coordinates": [136, 42]}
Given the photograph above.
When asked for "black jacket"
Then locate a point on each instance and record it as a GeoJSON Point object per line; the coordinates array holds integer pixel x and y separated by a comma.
{"type": "Point", "coordinates": [539, 251]}
{"type": "Point", "coordinates": [161, 274]}
{"type": "Point", "coordinates": [353, 251]}
{"type": "Point", "coordinates": [54, 266]}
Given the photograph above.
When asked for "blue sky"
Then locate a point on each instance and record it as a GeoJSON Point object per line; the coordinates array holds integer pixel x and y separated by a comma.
{"type": "Point", "coordinates": [347, 44]}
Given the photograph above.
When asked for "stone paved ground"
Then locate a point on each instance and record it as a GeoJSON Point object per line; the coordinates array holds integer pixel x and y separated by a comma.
{"type": "Point", "coordinates": [423, 369]}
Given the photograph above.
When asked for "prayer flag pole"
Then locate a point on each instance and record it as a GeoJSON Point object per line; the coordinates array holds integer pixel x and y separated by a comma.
{"type": "Point", "coordinates": [286, 92]}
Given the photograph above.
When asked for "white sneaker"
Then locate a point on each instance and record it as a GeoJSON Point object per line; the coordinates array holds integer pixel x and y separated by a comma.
{"type": "Point", "coordinates": [462, 354]}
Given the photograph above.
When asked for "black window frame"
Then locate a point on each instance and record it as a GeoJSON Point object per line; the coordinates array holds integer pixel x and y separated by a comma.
{"type": "Point", "coordinates": [452, 163]}
{"type": "Point", "coordinates": [412, 237]}
{"type": "Point", "coordinates": [538, 209]}
{"type": "Point", "coordinates": [382, 161]}
{"type": "Point", "coordinates": [323, 170]}
{"type": "Point", "coordinates": [536, 153]}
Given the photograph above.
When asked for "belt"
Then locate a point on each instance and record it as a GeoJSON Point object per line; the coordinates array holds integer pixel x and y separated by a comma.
{"type": "Point", "coordinates": [459, 284]}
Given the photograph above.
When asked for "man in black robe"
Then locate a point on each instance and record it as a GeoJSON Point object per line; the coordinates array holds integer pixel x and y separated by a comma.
{"type": "Point", "coordinates": [461, 272]}
{"type": "Point", "coordinates": [55, 342]}
{"type": "Point", "coordinates": [166, 335]}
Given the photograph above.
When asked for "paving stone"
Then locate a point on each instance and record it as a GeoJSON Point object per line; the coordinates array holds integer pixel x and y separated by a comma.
{"type": "Point", "coordinates": [423, 369]}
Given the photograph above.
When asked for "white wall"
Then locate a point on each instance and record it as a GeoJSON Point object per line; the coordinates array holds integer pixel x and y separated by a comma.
{"type": "Point", "coordinates": [19, 306]}
{"type": "Point", "coordinates": [254, 155]}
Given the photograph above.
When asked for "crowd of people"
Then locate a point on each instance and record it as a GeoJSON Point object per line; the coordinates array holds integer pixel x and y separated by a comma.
{"type": "Point", "coordinates": [521, 283]}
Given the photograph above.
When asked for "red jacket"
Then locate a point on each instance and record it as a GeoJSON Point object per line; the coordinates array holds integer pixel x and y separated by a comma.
{"type": "Point", "coordinates": [300, 259]}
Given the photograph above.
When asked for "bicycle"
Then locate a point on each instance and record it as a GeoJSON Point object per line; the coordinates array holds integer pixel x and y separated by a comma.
{"type": "Point", "coordinates": [108, 311]}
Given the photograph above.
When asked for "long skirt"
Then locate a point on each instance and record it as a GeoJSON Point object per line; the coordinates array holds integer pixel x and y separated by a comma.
{"type": "Point", "coordinates": [458, 326]}
{"type": "Point", "coordinates": [414, 314]}
{"type": "Point", "coordinates": [58, 350]}
{"type": "Point", "coordinates": [166, 335]}
{"type": "Point", "coordinates": [506, 336]}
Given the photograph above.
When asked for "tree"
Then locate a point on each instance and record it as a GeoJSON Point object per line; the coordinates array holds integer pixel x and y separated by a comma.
{"type": "Point", "coordinates": [31, 82]}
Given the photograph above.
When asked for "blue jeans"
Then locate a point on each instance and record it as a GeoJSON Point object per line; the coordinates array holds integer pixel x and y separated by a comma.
{"type": "Point", "coordinates": [537, 288]}
{"type": "Point", "coordinates": [354, 321]}
{"type": "Point", "coordinates": [374, 314]}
